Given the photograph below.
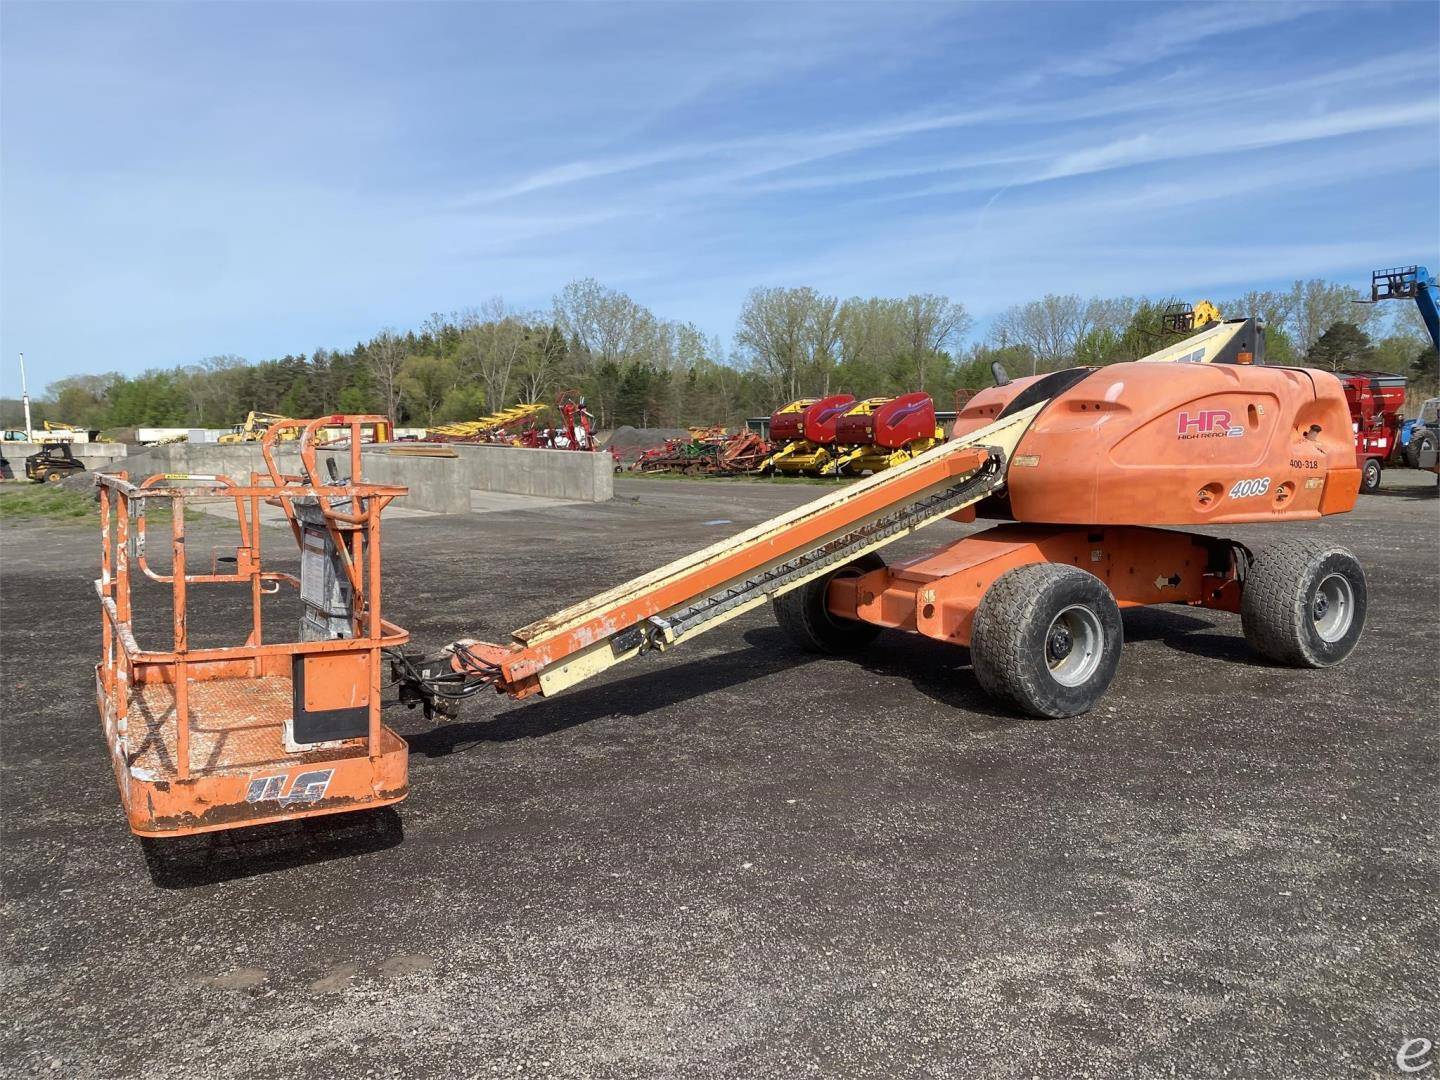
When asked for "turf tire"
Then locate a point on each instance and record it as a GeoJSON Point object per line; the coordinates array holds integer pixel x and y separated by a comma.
{"type": "Point", "coordinates": [1278, 607]}
{"type": "Point", "coordinates": [1010, 640]}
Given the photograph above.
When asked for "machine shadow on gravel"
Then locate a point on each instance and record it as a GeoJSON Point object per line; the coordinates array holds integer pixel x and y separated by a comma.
{"type": "Point", "coordinates": [936, 669]}
{"type": "Point", "coordinates": [664, 685]}
{"type": "Point", "coordinates": [1185, 633]}
{"type": "Point", "coordinates": [1412, 493]}
{"type": "Point", "coordinates": [212, 858]}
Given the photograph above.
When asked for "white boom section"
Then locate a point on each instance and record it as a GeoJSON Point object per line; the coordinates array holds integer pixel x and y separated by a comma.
{"type": "Point", "coordinates": [1201, 348]}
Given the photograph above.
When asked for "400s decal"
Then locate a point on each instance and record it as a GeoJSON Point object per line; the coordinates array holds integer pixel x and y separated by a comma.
{"type": "Point", "coordinates": [1244, 489]}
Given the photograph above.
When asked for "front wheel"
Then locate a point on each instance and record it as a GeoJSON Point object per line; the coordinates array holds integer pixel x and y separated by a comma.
{"type": "Point", "coordinates": [1304, 603]}
{"type": "Point", "coordinates": [1370, 476]}
{"type": "Point", "coordinates": [1047, 639]}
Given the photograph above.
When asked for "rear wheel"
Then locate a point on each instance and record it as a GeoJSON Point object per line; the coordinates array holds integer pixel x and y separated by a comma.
{"type": "Point", "coordinates": [1304, 603]}
{"type": "Point", "coordinates": [1370, 476]}
{"type": "Point", "coordinates": [1047, 639]}
{"type": "Point", "coordinates": [803, 615]}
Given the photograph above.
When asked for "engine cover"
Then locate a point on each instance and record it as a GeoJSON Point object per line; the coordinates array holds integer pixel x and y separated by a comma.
{"type": "Point", "coordinates": [1180, 444]}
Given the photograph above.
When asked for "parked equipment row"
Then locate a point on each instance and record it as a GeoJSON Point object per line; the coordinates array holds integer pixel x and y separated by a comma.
{"type": "Point", "coordinates": [842, 436]}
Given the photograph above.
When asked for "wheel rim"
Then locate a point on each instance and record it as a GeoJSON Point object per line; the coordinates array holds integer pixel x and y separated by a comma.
{"type": "Point", "coordinates": [1333, 609]}
{"type": "Point", "coordinates": [1074, 644]}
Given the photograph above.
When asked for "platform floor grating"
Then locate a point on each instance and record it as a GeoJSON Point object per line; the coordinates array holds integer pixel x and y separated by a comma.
{"type": "Point", "coordinates": [234, 724]}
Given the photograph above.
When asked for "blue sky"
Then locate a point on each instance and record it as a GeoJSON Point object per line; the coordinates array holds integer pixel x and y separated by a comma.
{"type": "Point", "coordinates": [183, 180]}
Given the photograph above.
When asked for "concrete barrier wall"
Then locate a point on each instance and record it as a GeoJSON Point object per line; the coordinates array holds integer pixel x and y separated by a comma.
{"type": "Point", "coordinates": [104, 453]}
{"type": "Point", "coordinates": [236, 462]}
{"type": "Point", "coordinates": [554, 474]}
{"type": "Point", "coordinates": [436, 484]}
{"type": "Point", "coordinates": [440, 484]}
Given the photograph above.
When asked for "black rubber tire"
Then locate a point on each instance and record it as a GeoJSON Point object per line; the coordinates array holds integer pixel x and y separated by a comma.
{"type": "Point", "coordinates": [1421, 452]}
{"type": "Point", "coordinates": [1409, 453]}
{"type": "Point", "coordinates": [1370, 476]}
{"type": "Point", "coordinates": [1009, 640]}
{"type": "Point", "coordinates": [802, 613]}
{"type": "Point", "coordinates": [1278, 603]}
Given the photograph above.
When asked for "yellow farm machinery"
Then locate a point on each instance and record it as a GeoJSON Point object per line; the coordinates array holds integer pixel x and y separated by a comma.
{"type": "Point", "coordinates": [504, 426]}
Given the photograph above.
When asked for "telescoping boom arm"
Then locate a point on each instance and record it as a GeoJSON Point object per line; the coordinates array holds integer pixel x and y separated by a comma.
{"type": "Point", "coordinates": [703, 590]}
{"type": "Point", "coordinates": [1409, 283]}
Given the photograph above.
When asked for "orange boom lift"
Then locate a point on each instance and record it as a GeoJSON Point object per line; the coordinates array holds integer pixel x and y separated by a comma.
{"type": "Point", "coordinates": [1091, 469]}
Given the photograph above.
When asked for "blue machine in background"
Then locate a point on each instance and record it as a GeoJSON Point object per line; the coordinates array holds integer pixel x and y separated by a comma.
{"type": "Point", "coordinates": [1409, 283]}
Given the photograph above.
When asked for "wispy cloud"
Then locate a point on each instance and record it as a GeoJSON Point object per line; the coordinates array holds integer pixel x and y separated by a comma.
{"type": "Point", "coordinates": [1187, 108]}
{"type": "Point", "coordinates": [1180, 28]}
{"type": "Point", "coordinates": [1181, 142]}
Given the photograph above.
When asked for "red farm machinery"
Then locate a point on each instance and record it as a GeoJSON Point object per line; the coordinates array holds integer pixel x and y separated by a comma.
{"type": "Point", "coordinates": [880, 433]}
{"type": "Point", "coordinates": [840, 436]}
{"type": "Point", "coordinates": [1375, 400]}
{"type": "Point", "coordinates": [804, 434]}
{"type": "Point", "coordinates": [708, 451]}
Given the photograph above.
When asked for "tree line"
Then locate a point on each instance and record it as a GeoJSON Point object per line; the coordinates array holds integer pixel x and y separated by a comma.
{"type": "Point", "coordinates": [636, 368]}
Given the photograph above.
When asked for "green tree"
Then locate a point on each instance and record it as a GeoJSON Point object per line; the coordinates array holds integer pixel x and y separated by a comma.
{"type": "Point", "coordinates": [354, 399]}
{"type": "Point", "coordinates": [1343, 345]}
{"type": "Point", "coordinates": [1426, 363]}
{"type": "Point", "coordinates": [425, 382]}
{"type": "Point", "coordinates": [462, 403]}
{"type": "Point", "coordinates": [632, 398]}
{"type": "Point", "coordinates": [1145, 332]}
{"type": "Point", "coordinates": [1279, 351]}
{"type": "Point", "coordinates": [601, 388]}
{"type": "Point", "coordinates": [1097, 346]}
{"type": "Point", "coordinates": [1396, 352]}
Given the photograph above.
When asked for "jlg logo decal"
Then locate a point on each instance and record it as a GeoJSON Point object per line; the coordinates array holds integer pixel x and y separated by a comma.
{"type": "Point", "coordinates": [1208, 424]}
{"type": "Point", "coordinates": [307, 787]}
{"type": "Point", "coordinates": [1244, 489]}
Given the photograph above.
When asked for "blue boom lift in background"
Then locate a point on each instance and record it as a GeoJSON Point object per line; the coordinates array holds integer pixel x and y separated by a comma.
{"type": "Point", "coordinates": [1409, 283]}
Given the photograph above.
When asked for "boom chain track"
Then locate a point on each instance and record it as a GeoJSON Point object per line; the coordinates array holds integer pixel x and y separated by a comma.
{"type": "Point", "coordinates": [836, 551]}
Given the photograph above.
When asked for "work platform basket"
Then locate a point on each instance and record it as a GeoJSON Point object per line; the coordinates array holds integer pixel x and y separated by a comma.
{"type": "Point", "coordinates": [204, 739]}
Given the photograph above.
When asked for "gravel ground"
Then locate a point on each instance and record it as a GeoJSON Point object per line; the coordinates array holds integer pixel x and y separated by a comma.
{"type": "Point", "coordinates": [738, 861]}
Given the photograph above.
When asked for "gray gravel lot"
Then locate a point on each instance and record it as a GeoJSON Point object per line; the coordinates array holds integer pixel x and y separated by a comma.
{"type": "Point", "coordinates": [738, 861]}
